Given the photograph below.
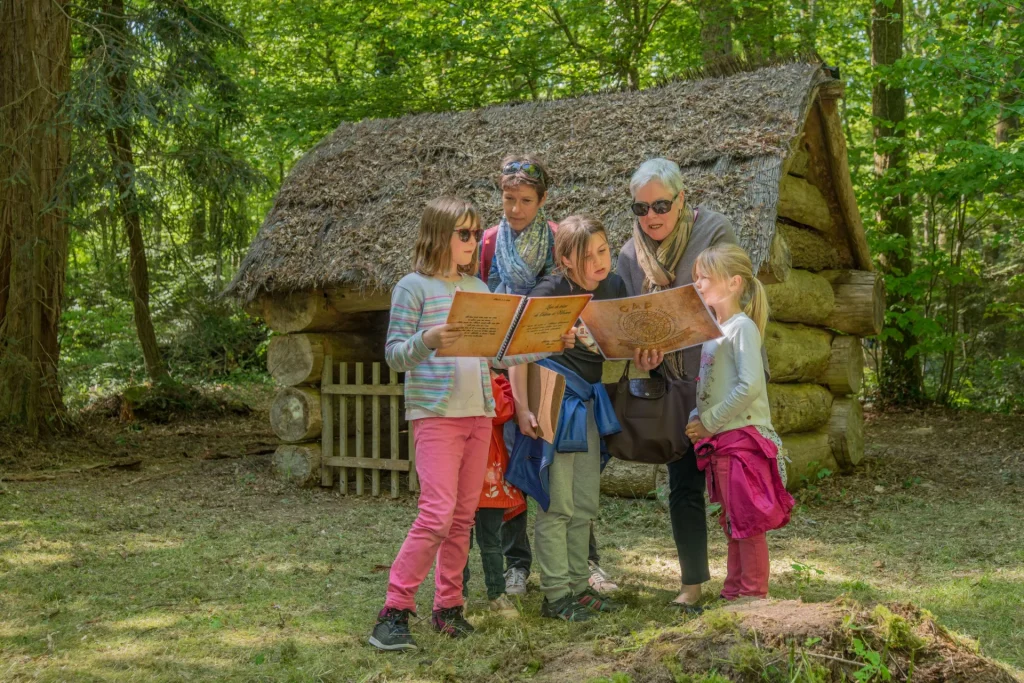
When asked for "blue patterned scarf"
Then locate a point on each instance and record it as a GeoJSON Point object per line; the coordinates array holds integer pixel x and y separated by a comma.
{"type": "Point", "coordinates": [520, 262]}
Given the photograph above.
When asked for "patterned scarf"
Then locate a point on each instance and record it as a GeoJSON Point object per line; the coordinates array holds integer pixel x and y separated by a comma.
{"type": "Point", "coordinates": [659, 261]}
{"type": "Point", "coordinates": [520, 260]}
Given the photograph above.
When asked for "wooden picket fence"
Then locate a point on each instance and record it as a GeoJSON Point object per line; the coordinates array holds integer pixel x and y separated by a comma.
{"type": "Point", "coordinates": [346, 456]}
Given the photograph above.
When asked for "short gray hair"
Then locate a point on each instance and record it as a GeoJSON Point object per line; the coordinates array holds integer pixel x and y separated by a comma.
{"type": "Point", "coordinates": [663, 170]}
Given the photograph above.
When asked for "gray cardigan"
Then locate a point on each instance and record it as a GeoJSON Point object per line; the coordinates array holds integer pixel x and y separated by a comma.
{"type": "Point", "coordinates": [709, 229]}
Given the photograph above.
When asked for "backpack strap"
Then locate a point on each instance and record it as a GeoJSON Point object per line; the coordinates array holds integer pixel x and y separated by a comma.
{"type": "Point", "coordinates": [487, 249]}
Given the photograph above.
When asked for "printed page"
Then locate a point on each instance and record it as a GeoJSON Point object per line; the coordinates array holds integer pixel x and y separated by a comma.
{"type": "Point", "coordinates": [668, 321]}
{"type": "Point", "coordinates": [484, 320]}
{"type": "Point", "coordinates": [544, 391]}
{"type": "Point", "coordinates": [543, 323]}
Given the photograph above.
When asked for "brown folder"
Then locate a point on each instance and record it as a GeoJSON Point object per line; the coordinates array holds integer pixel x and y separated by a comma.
{"type": "Point", "coordinates": [545, 389]}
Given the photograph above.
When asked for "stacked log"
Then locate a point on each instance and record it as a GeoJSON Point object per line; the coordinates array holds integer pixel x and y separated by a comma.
{"type": "Point", "coordinates": [822, 305]}
{"type": "Point", "coordinates": [309, 327]}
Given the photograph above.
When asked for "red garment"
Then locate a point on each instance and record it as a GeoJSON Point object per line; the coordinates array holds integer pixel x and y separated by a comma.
{"type": "Point", "coordinates": [756, 500]}
{"type": "Point", "coordinates": [748, 566]}
{"type": "Point", "coordinates": [497, 492]}
{"type": "Point", "coordinates": [489, 244]}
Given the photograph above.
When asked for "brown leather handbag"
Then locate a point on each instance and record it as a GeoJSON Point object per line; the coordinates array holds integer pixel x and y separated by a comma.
{"type": "Point", "coordinates": [653, 413]}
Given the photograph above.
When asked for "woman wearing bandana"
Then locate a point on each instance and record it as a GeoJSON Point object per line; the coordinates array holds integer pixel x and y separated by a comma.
{"type": "Point", "coordinates": [515, 255]}
{"type": "Point", "coordinates": [668, 234]}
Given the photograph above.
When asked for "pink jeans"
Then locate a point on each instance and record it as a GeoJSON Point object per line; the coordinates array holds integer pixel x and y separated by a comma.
{"type": "Point", "coordinates": [451, 460]}
{"type": "Point", "coordinates": [748, 567]}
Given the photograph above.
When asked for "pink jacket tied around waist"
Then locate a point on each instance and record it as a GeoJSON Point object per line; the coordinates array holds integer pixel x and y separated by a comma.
{"type": "Point", "coordinates": [757, 500]}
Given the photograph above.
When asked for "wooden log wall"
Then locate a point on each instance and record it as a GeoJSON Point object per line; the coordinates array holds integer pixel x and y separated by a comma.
{"type": "Point", "coordinates": [309, 327]}
{"type": "Point", "coordinates": [824, 299]}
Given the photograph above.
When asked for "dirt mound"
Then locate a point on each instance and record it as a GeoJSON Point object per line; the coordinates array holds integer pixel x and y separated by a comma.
{"type": "Point", "coordinates": [800, 642]}
{"type": "Point", "coordinates": [792, 641]}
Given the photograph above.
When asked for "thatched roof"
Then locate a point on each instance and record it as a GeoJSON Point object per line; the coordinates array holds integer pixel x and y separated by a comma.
{"type": "Point", "coordinates": [348, 213]}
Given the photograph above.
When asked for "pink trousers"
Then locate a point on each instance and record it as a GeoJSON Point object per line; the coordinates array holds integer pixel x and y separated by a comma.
{"type": "Point", "coordinates": [451, 460]}
{"type": "Point", "coordinates": [748, 567]}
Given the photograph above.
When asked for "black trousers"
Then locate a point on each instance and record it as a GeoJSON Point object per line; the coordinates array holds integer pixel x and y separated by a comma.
{"type": "Point", "coordinates": [488, 535]}
{"type": "Point", "coordinates": [689, 518]}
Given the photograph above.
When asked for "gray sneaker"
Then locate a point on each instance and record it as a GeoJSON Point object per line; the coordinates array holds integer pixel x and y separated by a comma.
{"type": "Point", "coordinates": [515, 581]}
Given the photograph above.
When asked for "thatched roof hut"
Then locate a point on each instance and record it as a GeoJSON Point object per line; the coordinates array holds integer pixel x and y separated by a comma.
{"type": "Point", "coordinates": [763, 146]}
{"type": "Point", "coordinates": [348, 213]}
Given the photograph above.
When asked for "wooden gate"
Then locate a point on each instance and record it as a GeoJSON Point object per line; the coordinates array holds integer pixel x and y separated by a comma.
{"type": "Point", "coordinates": [347, 456]}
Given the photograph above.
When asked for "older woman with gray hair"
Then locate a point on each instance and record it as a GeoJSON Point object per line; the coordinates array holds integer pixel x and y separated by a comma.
{"type": "Point", "coordinates": [668, 234]}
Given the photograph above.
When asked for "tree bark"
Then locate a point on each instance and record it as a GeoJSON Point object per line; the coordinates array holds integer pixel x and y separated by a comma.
{"type": "Point", "coordinates": [900, 372]}
{"type": "Point", "coordinates": [716, 19]}
{"type": "Point", "coordinates": [119, 144]}
{"type": "Point", "coordinates": [35, 69]}
{"type": "Point", "coordinates": [1008, 125]}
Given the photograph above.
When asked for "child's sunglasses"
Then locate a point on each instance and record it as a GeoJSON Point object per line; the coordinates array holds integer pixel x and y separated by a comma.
{"type": "Point", "coordinates": [465, 233]}
{"type": "Point", "coordinates": [525, 167]}
{"type": "Point", "coordinates": [662, 206]}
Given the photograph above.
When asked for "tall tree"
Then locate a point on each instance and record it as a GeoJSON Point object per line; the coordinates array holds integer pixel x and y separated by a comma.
{"type": "Point", "coordinates": [716, 21]}
{"type": "Point", "coordinates": [900, 374]}
{"type": "Point", "coordinates": [119, 135]}
{"type": "Point", "coordinates": [619, 42]}
{"type": "Point", "coordinates": [35, 67]}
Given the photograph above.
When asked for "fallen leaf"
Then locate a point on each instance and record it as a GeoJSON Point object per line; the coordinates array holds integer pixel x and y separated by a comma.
{"type": "Point", "coordinates": [378, 568]}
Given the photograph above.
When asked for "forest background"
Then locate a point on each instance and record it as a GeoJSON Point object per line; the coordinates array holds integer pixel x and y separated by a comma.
{"type": "Point", "coordinates": [136, 167]}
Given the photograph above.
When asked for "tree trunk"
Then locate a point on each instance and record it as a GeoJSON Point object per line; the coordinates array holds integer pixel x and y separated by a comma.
{"type": "Point", "coordinates": [35, 68]}
{"type": "Point", "coordinates": [1008, 125]}
{"type": "Point", "coordinates": [716, 17]}
{"type": "Point", "coordinates": [900, 372]}
{"type": "Point", "coordinates": [119, 144]}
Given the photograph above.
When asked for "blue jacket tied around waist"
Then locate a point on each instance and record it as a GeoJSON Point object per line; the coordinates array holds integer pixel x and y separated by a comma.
{"type": "Point", "coordinates": [531, 459]}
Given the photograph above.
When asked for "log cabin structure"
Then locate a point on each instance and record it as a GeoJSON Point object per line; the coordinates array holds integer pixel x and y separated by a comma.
{"type": "Point", "coordinates": [763, 146]}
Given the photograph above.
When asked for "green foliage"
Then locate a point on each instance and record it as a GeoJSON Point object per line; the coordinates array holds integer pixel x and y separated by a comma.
{"type": "Point", "coordinates": [223, 96]}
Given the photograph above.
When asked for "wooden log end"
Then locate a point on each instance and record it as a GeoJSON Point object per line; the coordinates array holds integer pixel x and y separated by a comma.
{"type": "Point", "coordinates": [298, 464]}
{"type": "Point", "coordinates": [295, 414]}
{"type": "Point", "coordinates": [846, 432]}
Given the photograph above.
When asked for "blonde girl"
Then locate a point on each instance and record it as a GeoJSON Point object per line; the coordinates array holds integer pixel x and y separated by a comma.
{"type": "Point", "coordinates": [449, 404]}
{"type": "Point", "coordinates": [731, 427]}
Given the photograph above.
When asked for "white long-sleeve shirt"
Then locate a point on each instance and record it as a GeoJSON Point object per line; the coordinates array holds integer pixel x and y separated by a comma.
{"type": "Point", "coordinates": [731, 388]}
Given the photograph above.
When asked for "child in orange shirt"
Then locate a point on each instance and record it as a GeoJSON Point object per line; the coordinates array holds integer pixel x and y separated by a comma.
{"type": "Point", "coordinates": [498, 500]}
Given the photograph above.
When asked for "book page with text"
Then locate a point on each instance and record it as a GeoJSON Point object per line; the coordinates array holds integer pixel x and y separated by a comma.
{"type": "Point", "coordinates": [484, 320]}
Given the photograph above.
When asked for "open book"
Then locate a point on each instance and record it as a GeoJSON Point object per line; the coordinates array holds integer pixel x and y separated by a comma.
{"type": "Point", "coordinates": [667, 321]}
{"type": "Point", "coordinates": [499, 325]}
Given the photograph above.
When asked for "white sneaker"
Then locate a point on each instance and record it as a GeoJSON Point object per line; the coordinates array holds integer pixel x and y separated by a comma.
{"type": "Point", "coordinates": [503, 607]}
{"type": "Point", "coordinates": [600, 581]}
{"type": "Point", "coordinates": [515, 581]}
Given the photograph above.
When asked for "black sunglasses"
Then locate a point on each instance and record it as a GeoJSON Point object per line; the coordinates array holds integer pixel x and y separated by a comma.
{"type": "Point", "coordinates": [662, 206]}
{"type": "Point", "coordinates": [465, 233]}
{"type": "Point", "coordinates": [525, 167]}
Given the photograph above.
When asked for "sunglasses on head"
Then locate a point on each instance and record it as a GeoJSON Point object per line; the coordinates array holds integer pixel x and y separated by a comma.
{"type": "Point", "coordinates": [527, 168]}
{"type": "Point", "coordinates": [662, 206]}
{"type": "Point", "coordinates": [465, 233]}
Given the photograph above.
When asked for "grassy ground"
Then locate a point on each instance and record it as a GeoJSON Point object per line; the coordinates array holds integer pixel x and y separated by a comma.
{"type": "Point", "coordinates": [200, 566]}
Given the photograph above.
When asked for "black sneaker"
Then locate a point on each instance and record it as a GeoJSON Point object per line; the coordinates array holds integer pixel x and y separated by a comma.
{"type": "Point", "coordinates": [392, 630]}
{"type": "Point", "coordinates": [596, 602]}
{"type": "Point", "coordinates": [451, 623]}
{"type": "Point", "coordinates": [566, 608]}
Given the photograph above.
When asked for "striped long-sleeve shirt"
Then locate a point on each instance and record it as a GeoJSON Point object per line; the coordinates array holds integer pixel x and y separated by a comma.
{"type": "Point", "coordinates": [418, 303]}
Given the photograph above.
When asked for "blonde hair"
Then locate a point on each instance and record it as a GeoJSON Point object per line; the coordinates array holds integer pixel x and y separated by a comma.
{"type": "Point", "coordinates": [571, 242]}
{"type": "Point", "coordinates": [724, 261]}
{"type": "Point", "coordinates": [433, 251]}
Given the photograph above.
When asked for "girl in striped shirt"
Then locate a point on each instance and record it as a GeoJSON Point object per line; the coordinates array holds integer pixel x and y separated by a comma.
{"type": "Point", "coordinates": [449, 405]}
